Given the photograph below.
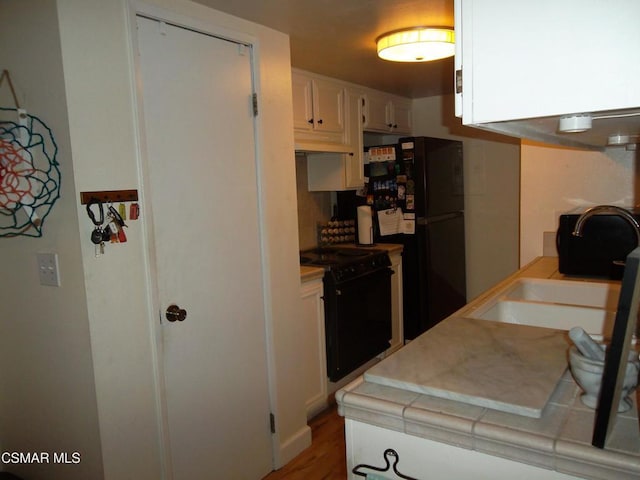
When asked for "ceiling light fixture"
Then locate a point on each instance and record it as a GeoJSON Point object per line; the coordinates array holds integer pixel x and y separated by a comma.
{"type": "Point", "coordinates": [581, 122]}
{"type": "Point", "coordinates": [418, 44]}
{"type": "Point", "coordinates": [575, 123]}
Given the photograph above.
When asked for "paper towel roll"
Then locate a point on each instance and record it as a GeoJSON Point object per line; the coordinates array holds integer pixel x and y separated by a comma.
{"type": "Point", "coordinates": [365, 225]}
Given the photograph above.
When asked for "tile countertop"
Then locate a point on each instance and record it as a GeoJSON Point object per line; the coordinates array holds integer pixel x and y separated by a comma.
{"type": "Point", "coordinates": [308, 273]}
{"type": "Point", "coordinates": [559, 440]}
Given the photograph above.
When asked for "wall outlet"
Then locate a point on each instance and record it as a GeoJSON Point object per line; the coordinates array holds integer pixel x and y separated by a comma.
{"type": "Point", "coordinates": [48, 269]}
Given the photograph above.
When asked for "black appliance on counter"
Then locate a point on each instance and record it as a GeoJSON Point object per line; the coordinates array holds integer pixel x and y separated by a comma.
{"type": "Point", "coordinates": [606, 241]}
{"type": "Point", "coordinates": [357, 305]}
{"type": "Point", "coordinates": [423, 180]}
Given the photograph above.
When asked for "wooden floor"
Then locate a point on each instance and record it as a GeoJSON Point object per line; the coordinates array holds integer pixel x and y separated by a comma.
{"type": "Point", "coordinates": [325, 459]}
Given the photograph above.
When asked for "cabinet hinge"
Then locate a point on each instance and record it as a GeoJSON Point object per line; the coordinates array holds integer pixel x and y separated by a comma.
{"type": "Point", "coordinates": [272, 422]}
{"type": "Point", "coordinates": [254, 101]}
{"type": "Point", "coordinates": [458, 81]}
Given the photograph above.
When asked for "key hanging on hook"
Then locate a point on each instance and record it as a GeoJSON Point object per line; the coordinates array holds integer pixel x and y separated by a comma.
{"type": "Point", "coordinates": [98, 234]}
{"type": "Point", "coordinates": [117, 217]}
{"type": "Point", "coordinates": [122, 210]}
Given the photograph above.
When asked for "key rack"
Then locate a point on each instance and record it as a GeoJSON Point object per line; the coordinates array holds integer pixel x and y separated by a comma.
{"type": "Point", "coordinates": [109, 196]}
{"type": "Point", "coordinates": [109, 222]}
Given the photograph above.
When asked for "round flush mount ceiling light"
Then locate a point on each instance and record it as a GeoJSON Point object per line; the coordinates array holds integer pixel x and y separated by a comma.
{"type": "Point", "coordinates": [618, 139]}
{"type": "Point", "coordinates": [418, 44]}
{"type": "Point", "coordinates": [575, 123]}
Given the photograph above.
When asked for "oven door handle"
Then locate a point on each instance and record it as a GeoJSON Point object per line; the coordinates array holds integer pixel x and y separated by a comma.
{"type": "Point", "coordinates": [380, 271]}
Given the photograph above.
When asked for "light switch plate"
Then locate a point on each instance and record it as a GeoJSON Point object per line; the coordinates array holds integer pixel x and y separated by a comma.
{"type": "Point", "coordinates": [48, 269]}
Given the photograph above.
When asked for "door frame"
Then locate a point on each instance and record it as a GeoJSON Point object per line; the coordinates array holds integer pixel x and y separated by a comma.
{"type": "Point", "coordinates": [139, 7]}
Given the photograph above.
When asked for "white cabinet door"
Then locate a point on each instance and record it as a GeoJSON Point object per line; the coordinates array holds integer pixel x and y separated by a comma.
{"type": "Point", "coordinates": [366, 444]}
{"type": "Point", "coordinates": [206, 262]}
{"type": "Point", "coordinates": [319, 118]}
{"type": "Point", "coordinates": [386, 113]}
{"type": "Point", "coordinates": [302, 90]}
{"type": "Point", "coordinates": [354, 160]}
{"type": "Point", "coordinates": [334, 171]}
{"type": "Point", "coordinates": [522, 59]}
{"type": "Point", "coordinates": [328, 106]}
{"type": "Point", "coordinates": [402, 116]}
{"type": "Point", "coordinates": [397, 317]}
{"type": "Point", "coordinates": [312, 337]}
{"type": "Point", "coordinates": [377, 113]}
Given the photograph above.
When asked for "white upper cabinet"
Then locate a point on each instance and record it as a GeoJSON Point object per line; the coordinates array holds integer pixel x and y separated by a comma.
{"type": "Point", "coordinates": [318, 113]}
{"type": "Point", "coordinates": [376, 113]}
{"type": "Point", "coordinates": [386, 113]}
{"type": "Point", "coordinates": [302, 90]}
{"type": "Point", "coordinates": [518, 60]}
{"type": "Point", "coordinates": [402, 116]}
{"type": "Point", "coordinates": [329, 118]}
{"type": "Point", "coordinates": [341, 171]}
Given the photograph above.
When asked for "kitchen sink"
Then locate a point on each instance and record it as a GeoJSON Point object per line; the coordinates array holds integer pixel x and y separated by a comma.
{"type": "Point", "coordinates": [595, 321]}
{"type": "Point", "coordinates": [585, 294]}
{"type": "Point", "coordinates": [560, 304]}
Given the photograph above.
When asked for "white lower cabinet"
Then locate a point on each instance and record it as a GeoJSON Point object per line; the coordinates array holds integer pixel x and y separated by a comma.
{"type": "Point", "coordinates": [397, 317]}
{"type": "Point", "coordinates": [312, 340]}
{"type": "Point", "coordinates": [422, 458]}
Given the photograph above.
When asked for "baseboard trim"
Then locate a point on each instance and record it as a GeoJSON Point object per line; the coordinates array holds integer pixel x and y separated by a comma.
{"type": "Point", "coordinates": [293, 446]}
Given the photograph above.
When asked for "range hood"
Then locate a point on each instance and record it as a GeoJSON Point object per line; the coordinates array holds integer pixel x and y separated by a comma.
{"type": "Point", "coordinates": [608, 129]}
{"type": "Point", "coordinates": [317, 147]}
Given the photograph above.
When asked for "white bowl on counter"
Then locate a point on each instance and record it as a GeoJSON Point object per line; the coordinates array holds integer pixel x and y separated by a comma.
{"type": "Point", "coordinates": [588, 375]}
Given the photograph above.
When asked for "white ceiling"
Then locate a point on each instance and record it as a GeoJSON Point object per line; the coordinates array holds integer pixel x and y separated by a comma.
{"type": "Point", "coordinates": [337, 38]}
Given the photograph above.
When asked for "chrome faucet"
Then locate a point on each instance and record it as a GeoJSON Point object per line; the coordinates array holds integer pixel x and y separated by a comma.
{"type": "Point", "coordinates": [610, 209]}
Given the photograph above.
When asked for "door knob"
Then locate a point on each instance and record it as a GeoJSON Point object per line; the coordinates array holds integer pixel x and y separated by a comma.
{"type": "Point", "coordinates": [174, 312]}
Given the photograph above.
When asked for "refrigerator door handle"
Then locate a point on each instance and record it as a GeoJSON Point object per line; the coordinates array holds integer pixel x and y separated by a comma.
{"type": "Point", "coordinates": [438, 218]}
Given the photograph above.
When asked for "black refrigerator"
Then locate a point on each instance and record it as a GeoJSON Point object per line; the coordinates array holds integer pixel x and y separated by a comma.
{"type": "Point", "coordinates": [419, 182]}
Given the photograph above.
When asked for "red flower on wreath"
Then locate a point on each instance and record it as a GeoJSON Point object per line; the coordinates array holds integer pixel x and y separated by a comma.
{"type": "Point", "coordinates": [16, 170]}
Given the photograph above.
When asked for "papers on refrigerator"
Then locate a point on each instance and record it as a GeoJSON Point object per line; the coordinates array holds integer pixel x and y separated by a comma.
{"type": "Point", "coordinates": [393, 221]}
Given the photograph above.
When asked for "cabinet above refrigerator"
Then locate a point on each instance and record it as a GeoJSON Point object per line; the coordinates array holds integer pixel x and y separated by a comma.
{"type": "Point", "coordinates": [558, 72]}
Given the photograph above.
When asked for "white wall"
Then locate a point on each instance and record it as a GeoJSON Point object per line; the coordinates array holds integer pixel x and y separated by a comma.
{"type": "Point", "coordinates": [48, 398]}
{"type": "Point", "coordinates": [99, 73]}
{"type": "Point", "coordinates": [492, 172]}
{"type": "Point", "coordinates": [83, 373]}
{"type": "Point", "coordinates": [99, 86]}
{"type": "Point", "coordinates": [555, 180]}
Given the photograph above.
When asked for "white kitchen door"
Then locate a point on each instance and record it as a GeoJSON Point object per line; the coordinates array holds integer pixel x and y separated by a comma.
{"type": "Point", "coordinates": [201, 162]}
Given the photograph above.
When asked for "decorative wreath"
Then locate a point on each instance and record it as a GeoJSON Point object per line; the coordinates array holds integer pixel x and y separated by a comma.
{"type": "Point", "coordinates": [29, 173]}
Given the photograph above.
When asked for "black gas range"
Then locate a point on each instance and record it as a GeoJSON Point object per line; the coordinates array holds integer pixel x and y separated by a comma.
{"type": "Point", "coordinates": [345, 263]}
{"type": "Point", "coordinates": [357, 304]}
